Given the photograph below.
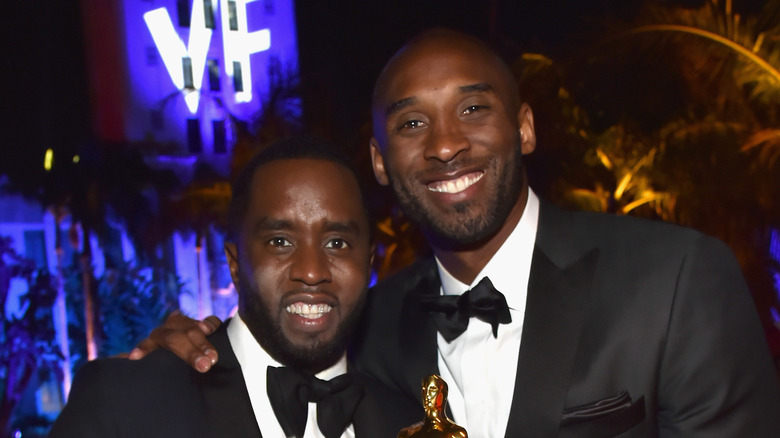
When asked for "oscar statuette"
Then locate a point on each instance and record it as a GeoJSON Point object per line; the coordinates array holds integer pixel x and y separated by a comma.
{"type": "Point", "coordinates": [435, 424]}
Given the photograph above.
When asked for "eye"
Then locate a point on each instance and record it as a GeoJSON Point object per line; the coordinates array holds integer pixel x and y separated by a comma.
{"type": "Point", "coordinates": [337, 243]}
{"type": "Point", "coordinates": [473, 109]}
{"type": "Point", "coordinates": [279, 242]}
{"type": "Point", "coordinates": [412, 124]}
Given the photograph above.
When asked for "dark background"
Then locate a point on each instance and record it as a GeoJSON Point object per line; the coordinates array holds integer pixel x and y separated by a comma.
{"type": "Point", "coordinates": [343, 45]}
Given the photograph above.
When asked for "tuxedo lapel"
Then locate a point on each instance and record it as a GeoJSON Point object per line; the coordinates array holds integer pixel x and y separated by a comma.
{"type": "Point", "coordinates": [382, 412]}
{"type": "Point", "coordinates": [227, 407]}
{"type": "Point", "coordinates": [558, 291]}
{"type": "Point", "coordinates": [418, 332]}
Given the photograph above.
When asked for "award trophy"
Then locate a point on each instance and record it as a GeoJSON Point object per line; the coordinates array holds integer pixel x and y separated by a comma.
{"type": "Point", "coordinates": [435, 424]}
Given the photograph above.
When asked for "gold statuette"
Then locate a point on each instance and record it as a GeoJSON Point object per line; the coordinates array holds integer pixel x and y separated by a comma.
{"type": "Point", "coordinates": [435, 424]}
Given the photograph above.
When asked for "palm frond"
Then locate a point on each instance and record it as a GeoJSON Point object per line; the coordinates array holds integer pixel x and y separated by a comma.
{"type": "Point", "coordinates": [757, 60]}
{"type": "Point", "coordinates": [767, 143]}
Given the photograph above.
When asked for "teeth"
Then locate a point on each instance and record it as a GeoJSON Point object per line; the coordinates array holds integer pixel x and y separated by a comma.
{"type": "Point", "coordinates": [310, 311]}
{"type": "Point", "coordinates": [455, 185]}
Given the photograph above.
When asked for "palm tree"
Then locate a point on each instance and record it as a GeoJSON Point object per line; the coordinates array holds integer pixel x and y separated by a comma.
{"type": "Point", "coordinates": [696, 142]}
{"type": "Point", "coordinates": [108, 182]}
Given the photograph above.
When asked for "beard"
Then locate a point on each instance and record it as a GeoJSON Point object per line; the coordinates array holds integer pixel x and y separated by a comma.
{"type": "Point", "coordinates": [313, 357]}
{"type": "Point", "coordinates": [467, 222]}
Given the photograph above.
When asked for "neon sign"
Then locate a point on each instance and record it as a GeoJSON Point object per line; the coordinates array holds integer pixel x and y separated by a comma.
{"type": "Point", "coordinates": [186, 65]}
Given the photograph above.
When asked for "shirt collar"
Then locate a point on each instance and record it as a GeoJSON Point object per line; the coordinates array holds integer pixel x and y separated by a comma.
{"type": "Point", "coordinates": [251, 356]}
{"type": "Point", "coordinates": [510, 266]}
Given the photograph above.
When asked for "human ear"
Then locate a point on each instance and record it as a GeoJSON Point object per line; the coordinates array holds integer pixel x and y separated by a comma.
{"type": "Point", "coordinates": [525, 121]}
{"type": "Point", "coordinates": [231, 253]}
{"type": "Point", "coordinates": [378, 163]}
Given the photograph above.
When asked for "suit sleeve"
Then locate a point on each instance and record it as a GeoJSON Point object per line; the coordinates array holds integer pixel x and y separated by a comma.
{"type": "Point", "coordinates": [88, 413]}
{"type": "Point", "coordinates": [716, 378]}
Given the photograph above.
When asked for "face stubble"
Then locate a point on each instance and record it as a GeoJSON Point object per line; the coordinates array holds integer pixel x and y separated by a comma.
{"type": "Point", "coordinates": [316, 355]}
{"type": "Point", "coordinates": [465, 224]}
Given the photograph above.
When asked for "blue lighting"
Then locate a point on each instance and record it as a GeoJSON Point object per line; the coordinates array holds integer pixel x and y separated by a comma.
{"type": "Point", "coordinates": [237, 42]}
{"type": "Point", "coordinates": [211, 65]}
{"type": "Point", "coordinates": [177, 57]}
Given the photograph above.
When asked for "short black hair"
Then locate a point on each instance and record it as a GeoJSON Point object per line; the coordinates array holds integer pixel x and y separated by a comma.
{"type": "Point", "coordinates": [296, 147]}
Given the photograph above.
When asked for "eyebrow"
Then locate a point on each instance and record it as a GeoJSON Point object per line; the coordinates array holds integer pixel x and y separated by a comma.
{"type": "Point", "coordinates": [266, 223]}
{"type": "Point", "coordinates": [344, 227]}
{"type": "Point", "coordinates": [399, 105]}
{"type": "Point", "coordinates": [482, 87]}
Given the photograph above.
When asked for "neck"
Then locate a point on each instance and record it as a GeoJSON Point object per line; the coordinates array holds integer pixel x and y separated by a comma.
{"type": "Point", "coordinates": [466, 262]}
{"type": "Point", "coordinates": [436, 414]}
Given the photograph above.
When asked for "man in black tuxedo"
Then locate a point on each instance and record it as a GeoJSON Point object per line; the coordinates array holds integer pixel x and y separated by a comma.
{"type": "Point", "coordinates": [604, 326]}
{"type": "Point", "coordinates": [299, 254]}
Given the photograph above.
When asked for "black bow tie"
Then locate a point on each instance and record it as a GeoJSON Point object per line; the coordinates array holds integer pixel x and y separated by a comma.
{"type": "Point", "coordinates": [290, 391]}
{"type": "Point", "coordinates": [451, 313]}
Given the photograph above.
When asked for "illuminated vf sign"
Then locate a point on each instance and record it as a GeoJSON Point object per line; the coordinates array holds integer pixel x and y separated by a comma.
{"type": "Point", "coordinates": [186, 64]}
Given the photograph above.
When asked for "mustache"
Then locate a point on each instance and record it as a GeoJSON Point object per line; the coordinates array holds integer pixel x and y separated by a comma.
{"type": "Point", "coordinates": [436, 168]}
{"type": "Point", "coordinates": [322, 295]}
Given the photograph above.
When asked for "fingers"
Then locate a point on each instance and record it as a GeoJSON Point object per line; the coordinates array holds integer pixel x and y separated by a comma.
{"type": "Point", "coordinates": [210, 324]}
{"type": "Point", "coordinates": [143, 348]}
{"type": "Point", "coordinates": [184, 337]}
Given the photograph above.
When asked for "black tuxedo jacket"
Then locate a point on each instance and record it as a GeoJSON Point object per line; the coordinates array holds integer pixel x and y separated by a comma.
{"type": "Point", "coordinates": [632, 328]}
{"type": "Point", "coordinates": [161, 396]}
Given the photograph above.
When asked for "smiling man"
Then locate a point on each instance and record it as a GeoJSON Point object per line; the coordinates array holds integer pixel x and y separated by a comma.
{"type": "Point", "coordinates": [543, 322]}
{"type": "Point", "coordinates": [299, 254]}
{"type": "Point", "coordinates": [301, 262]}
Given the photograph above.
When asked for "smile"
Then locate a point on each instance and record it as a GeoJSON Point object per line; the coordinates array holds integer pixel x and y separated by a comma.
{"type": "Point", "coordinates": [308, 311]}
{"type": "Point", "coordinates": [456, 185]}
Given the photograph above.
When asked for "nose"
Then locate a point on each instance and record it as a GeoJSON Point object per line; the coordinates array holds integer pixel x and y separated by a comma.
{"type": "Point", "coordinates": [447, 140]}
{"type": "Point", "coordinates": [310, 265]}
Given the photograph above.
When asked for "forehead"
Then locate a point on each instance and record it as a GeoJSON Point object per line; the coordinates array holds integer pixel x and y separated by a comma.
{"type": "Point", "coordinates": [306, 189]}
{"type": "Point", "coordinates": [440, 63]}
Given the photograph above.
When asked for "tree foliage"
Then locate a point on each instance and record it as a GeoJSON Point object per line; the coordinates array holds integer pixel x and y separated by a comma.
{"type": "Point", "coordinates": [28, 337]}
{"type": "Point", "coordinates": [131, 301]}
{"type": "Point", "coordinates": [682, 112]}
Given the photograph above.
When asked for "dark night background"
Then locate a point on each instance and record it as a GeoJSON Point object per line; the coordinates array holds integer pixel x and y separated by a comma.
{"type": "Point", "coordinates": [636, 97]}
{"type": "Point", "coordinates": [342, 43]}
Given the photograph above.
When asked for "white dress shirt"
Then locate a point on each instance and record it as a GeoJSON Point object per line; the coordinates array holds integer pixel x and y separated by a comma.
{"type": "Point", "coordinates": [479, 368]}
{"type": "Point", "coordinates": [252, 357]}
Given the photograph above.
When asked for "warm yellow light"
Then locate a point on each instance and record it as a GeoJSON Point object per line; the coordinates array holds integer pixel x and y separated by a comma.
{"type": "Point", "coordinates": [76, 159]}
{"type": "Point", "coordinates": [48, 159]}
{"type": "Point", "coordinates": [604, 159]}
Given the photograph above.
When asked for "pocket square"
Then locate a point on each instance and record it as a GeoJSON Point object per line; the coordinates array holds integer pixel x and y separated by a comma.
{"type": "Point", "coordinates": [597, 409]}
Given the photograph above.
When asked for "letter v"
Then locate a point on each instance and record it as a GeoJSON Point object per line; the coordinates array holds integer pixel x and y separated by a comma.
{"type": "Point", "coordinates": [173, 52]}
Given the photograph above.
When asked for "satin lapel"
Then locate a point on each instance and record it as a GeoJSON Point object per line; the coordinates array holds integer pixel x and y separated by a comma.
{"type": "Point", "coordinates": [224, 395]}
{"type": "Point", "coordinates": [555, 309]}
{"type": "Point", "coordinates": [418, 334]}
